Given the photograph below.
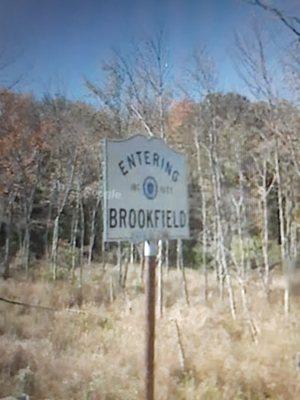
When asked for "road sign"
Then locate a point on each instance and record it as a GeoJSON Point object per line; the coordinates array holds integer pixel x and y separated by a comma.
{"type": "Point", "coordinates": [145, 190]}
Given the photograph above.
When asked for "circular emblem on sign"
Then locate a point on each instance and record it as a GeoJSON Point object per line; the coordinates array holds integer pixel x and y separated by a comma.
{"type": "Point", "coordinates": [150, 187]}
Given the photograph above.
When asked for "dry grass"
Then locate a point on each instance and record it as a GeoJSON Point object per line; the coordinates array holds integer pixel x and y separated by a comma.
{"type": "Point", "coordinates": [99, 355]}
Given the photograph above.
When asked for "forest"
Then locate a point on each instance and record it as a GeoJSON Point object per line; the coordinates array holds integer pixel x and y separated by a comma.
{"type": "Point", "coordinates": [72, 305]}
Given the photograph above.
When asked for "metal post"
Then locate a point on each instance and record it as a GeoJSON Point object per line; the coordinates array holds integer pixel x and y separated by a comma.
{"type": "Point", "coordinates": [150, 250]}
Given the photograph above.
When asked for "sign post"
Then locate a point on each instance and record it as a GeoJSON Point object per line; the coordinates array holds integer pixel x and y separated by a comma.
{"type": "Point", "coordinates": [150, 258]}
{"type": "Point", "coordinates": [145, 200]}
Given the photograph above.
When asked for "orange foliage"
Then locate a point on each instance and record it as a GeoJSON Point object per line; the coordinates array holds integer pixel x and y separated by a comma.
{"type": "Point", "coordinates": [180, 113]}
{"type": "Point", "coordinates": [22, 140]}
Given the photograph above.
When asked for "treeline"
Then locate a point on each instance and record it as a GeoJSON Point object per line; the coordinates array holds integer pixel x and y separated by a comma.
{"type": "Point", "coordinates": [51, 187]}
{"type": "Point", "coordinates": [243, 160]}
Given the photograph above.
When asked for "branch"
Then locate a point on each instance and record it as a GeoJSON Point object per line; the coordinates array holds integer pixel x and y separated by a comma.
{"type": "Point", "coordinates": [19, 303]}
{"type": "Point", "coordinates": [278, 14]}
{"type": "Point", "coordinates": [271, 185]}
{"type": "Point", "coordinates": [138, 114]}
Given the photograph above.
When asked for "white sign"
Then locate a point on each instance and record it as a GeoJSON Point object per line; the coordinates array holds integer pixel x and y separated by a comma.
{"type": "Point", "coordinates": [145, 190]}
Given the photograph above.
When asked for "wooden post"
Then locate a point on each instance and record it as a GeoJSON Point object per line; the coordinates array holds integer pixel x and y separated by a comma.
{"type": "Point", "coordinates": [150, 258]}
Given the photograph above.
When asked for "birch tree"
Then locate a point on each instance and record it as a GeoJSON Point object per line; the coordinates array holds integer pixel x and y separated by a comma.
{"type": "Point", "coordinates": [203, 75]}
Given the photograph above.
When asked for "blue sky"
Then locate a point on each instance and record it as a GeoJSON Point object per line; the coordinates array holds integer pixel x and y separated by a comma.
{"type": "Point", "coordinates": [55, 43]}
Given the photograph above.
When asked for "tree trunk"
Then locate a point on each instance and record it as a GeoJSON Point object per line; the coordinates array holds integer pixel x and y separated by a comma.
{"type": "Point", "coordinates": [204, 247]}
{"type": "Point", "coordinates": [241, 264]}
{"type": "Point", "coordinates": [60, 207]}
{"type": "Point", "coordinates": [55, 248]}
{"type": "Point", "coordinates": [6, 260]}
{"type": "Point", "coordinates": [28, 206]}
{"type": "Point", "coordinates": [167, 256]}
{"type": "Point", "coordinates": [26, 244]}
{"type": "Point", "coordinates": [182, 358]}
{"type": "Point", "coordinates": [119, 262]}
{"type": "Point", "coordinates": [48, 224]}
{"type": "Point", "coordinates": [214, 163]}
{"type": "Point", "coordinates": [82, 232]}
{"type": "Point", "coordinates": [160, 294]}
{"type": "Point", "coordinates": [181, 267]}
{"type": "Point", "coordinates": [125, 274]}
{"type": "Point", "coordinates": [264, 191]}
{"type": "Point", "coordinates": [204, 216]}
{"type": "Point", "coordinates": [179, 262]}
{"type": "Point", "coordinates": [282, 230]}
{"type": "Point", "coordinates": [92, 232]}
{"type": "Point", "coordinates": [265, 242]}
{"type": "Point", "coordinates": [74, 237]}
{"type": "Point", "coordinates": [131, 258]}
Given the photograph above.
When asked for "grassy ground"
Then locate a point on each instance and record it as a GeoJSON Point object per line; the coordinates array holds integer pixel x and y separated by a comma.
{"type": "Point", "coordinates": [99, 355]}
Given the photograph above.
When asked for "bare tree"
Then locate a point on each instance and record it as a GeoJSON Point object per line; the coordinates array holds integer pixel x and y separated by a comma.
{"type": "Point", "coordinates": [63, 191]}
{"type": "Point", "coordinates": [253, 64]}
{"type": "Point", "coordinates": [111, 95]}
{"type": "Point", "coordinates": [291, 22]}
{"type": "Point", "coordinates": [264, 189]}
{"type": "Point", "coordinates": [204, 78]}
{"type": "Point", "coordinates": [216, 183]}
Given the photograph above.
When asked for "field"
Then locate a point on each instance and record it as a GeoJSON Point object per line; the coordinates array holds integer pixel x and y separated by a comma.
{"type": "Point", "coordinates": [92, 348]}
